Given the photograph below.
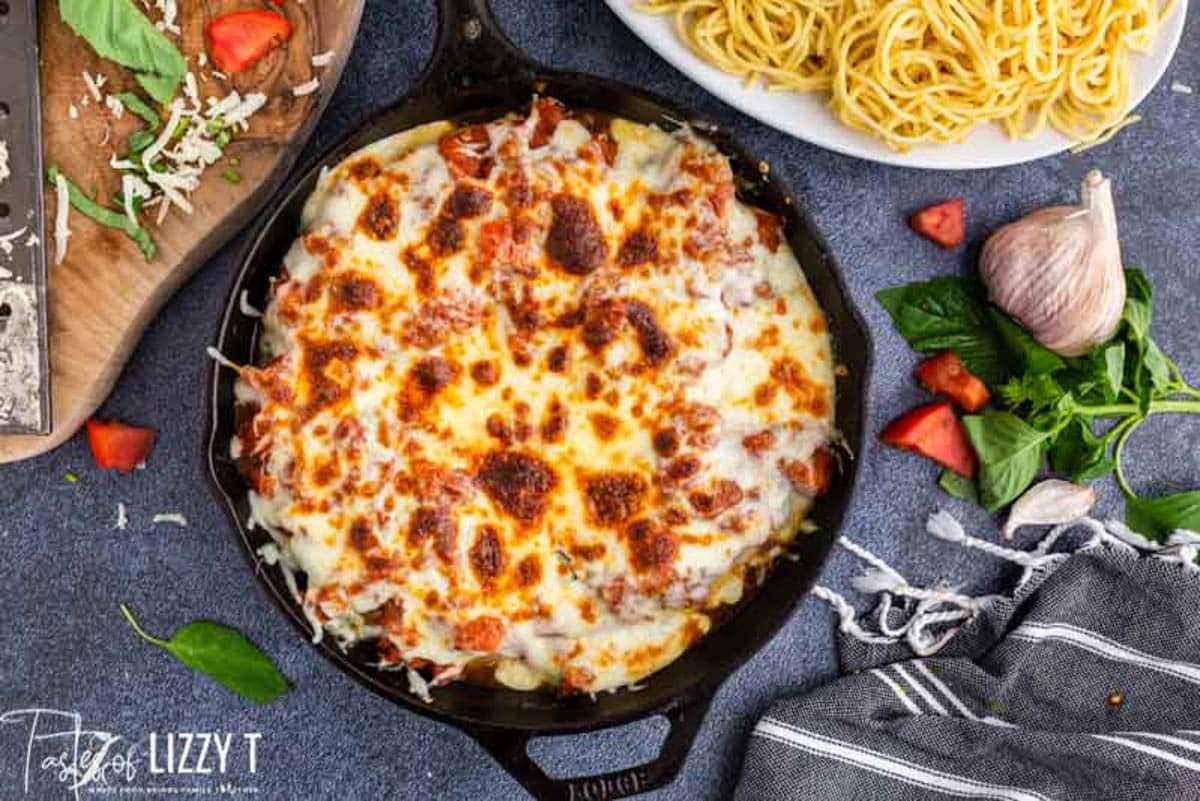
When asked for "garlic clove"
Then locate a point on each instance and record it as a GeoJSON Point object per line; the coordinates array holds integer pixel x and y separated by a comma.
{"type": "Point", "coordinates": [1049, 503]}
{"type": "Point", "coordinates": [1058, 271]}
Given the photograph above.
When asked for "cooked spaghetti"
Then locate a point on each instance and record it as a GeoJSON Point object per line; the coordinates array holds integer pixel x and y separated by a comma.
{"type": "Point", "coordinates": [928, 71]}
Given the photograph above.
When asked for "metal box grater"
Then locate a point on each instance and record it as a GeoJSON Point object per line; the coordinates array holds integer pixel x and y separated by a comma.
{"type": "Point", "coordinates": [24, 357]}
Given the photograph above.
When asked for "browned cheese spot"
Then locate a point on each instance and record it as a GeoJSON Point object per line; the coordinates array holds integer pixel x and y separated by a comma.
{"type": "Point", "coordinates": [480, 634]}
{"type": "Point", "coordinates": [556, 359]}
{"type": "Point", "coordinates": [683, 467]}
{"type": "Point", "coordinates": [517, 482]}
{"type": "Point", "coordinates": [353, 292]}
{"type": "Point", "coordinates": [575, 241]}
{"type": "Point", "coordinates": [651, 337]}
{"type": "Point", "coordinates": [757, 443]}
{"type": "Point", "coordinates": [529, 570]}
{"type": "Point", "coordinates": [485, 372]}
{"type": "Point", "coordinates": [602, 322]}
{"type": "Point", "coordinates": [665, 442]}
{"type": "Point", "coordinates": [445, 236]}
{"type": "Point", "coordinates": [380, 219]}
{"type": "Point", "coordinates": [639, 247]}
{"type": "Point", "coordinates": [554, 425]}
{"type": "Point", "coordinates": [652, 548]}
{"type": "Point", "coordinates": [437, 524]}
{"type": "Point", "coordinates": [613, 498]}
{"type": "Point", "coordinates": [722, 495]}
{"type": "Point", "coordinates": [433, 373]}
{"type": "Point", "coordinates": [362, 537]}
{"type": "Point", "coordinates": [605, 425]}
{"type": "Point", "coordinates": [324, 391]}
{"type": "Point", "coordinates": [487, 555]}
{"type": "Point", "coordinates": [365, 168]}
{"type": "Point", "coordinates": [468, 201]}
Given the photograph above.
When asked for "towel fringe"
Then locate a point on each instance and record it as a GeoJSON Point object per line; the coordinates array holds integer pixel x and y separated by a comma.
{"type": "Point", "coordinates": [940, 611]}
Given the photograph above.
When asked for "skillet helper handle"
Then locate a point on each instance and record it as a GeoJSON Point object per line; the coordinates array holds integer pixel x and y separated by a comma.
{"type": "Point", "coordinates": [471, 50]}
{"type": "Point", "coordinates": [509, 748]}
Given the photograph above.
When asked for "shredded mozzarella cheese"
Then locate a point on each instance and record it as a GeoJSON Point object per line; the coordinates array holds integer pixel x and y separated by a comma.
{"type": "Point", "coordinates": [122, 518]}
{"type": "Point", "coordinates": [62, 210]}
{"type": "Point", "coordinates": [4, 170]}
{"type": "Point", "coordinates": [6, 240]}
{"type": "Point", "coordinates": [323, 59]}
{"type": "Point", "coordinates": [170, 12]}
{"type": "Point", "coordinates": [1181, 88]}
{"type": "Point", "coordinates": [246, 308]}
{"type": "Point", "coordinates": [220, 358]}
{"type": "Point", "coordinates": [93, 85]}
{"type": "Point", "coordinates": [306, 88]}
{"type": "Point", "coordinates": [174, 518]}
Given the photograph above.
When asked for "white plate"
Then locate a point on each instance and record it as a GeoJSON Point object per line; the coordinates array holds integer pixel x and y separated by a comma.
{"type": "Point", "coordinates": [806, 116]}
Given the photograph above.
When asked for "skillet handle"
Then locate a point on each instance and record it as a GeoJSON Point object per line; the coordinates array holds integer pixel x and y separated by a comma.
{"type": "Point", "coordinates": [509, 749]}
{"type": "Point", "coordinates": [471, 49]}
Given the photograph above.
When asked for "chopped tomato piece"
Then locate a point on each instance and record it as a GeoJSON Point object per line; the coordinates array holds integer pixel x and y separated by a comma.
{"type": "Point", "coordinates": [813, 476]}
{"type": "Point", "coordinates": [946, 375]}
{"type": "Point", "coordinates": [942, 223]}
{"type": "Point", "coordinates": [935, 432]}
{"type": "Point", "coordinates": [119, 446]}
{"type": "Point", "coordinates": [465, 152]}
{"type": "Point", "coordinates": [549, 114]}
{"type": "Point", "coordinates": [236, 41]}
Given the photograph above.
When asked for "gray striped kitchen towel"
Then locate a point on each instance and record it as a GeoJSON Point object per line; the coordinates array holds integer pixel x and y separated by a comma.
{"type": "Point", "coordinates": [1083, 685]}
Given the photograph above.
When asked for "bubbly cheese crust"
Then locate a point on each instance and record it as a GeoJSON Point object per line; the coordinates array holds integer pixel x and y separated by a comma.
{"type": "Point", "coordinates": [538, 395]}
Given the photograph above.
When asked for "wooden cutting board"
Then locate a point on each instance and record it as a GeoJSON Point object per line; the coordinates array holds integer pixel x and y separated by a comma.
{"type": "Point", "coordinates": [105, 293]}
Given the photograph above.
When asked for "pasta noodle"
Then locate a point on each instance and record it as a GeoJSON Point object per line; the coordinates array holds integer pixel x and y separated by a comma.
{"type": "Point", "coordinates": [928, 71]}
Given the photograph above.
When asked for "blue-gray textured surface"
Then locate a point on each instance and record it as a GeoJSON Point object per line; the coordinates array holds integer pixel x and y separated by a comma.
{"type": "Point", "coordinates": [64, 568]}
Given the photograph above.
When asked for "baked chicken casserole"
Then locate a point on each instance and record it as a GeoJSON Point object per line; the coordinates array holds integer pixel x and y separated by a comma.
{"type": "Point", "coordinates": [536, 399]}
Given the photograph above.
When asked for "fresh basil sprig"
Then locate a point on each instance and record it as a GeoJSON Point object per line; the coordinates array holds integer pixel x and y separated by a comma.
{"type": "Point", "coordinates": [119, 31]}
{"type": "Point", "coordinates": [1052, 406]}
{"type": "Point", "coordinates": [224, 654]}
{"type": "Point", "coordinates": [107, 217]}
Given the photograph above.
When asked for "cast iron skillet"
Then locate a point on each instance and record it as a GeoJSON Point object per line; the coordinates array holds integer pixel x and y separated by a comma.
{"type": "Point", "coordinates": [476, 74]}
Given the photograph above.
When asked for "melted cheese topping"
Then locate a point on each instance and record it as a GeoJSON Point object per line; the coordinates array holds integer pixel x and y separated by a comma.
{"type": "Point", "coordinates": [538, 395]}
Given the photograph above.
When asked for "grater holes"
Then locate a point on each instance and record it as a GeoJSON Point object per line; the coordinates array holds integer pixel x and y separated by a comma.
{"type": "Point", "coordinates": [5, 211]}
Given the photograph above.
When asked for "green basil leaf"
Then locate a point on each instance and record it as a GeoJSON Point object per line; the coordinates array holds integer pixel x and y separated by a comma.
{"type": "Point", "coordinates": [139, 107]}
{"type": "Point", "coordinates": [1010, 455]}
{"type": "Point", "coordinates": [231, 659]}
{"type": "Point", "coordinates": [119, 31]}
{"type": "Point", "coordinates": [1139, 304]}
{"type": "Point", "coordinates": [1159, 366]}
{"type": "Point", "coordinates": [139, 141]}
{"type": "Point", "coordinates": [107, 217]}
{"type": "Point", "coordinates": [1158, 517]}
{"type": "Point", "coordinates": [1038, 391]}
{"type": "Point", "coordinates": [950, 314]}
{"type": "Point", "coordinates": [1038, 359]}
{"type": "Point", "coordinates": [223, 654]}
{"type": "Point", "coordinates": [1114, 369]}
{"type": "Point", "coordinates": [962, 488]}
{"type": "Point", "coordinates": [1079, 454]}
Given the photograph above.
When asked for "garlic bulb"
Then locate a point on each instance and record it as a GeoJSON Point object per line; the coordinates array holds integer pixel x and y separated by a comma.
{"type": "Point", "coordinates": [1058, 271]}
{"type": "Point", "coordinates": [1049, 503]}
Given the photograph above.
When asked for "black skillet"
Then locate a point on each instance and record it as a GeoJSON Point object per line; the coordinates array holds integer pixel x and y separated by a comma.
{"type": "Point", "coordinates": [477, 74]}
